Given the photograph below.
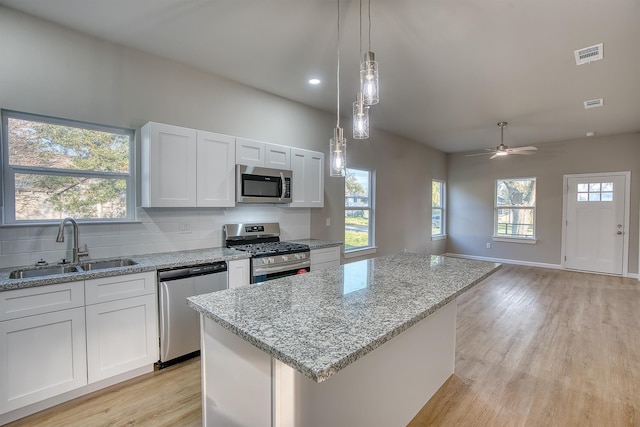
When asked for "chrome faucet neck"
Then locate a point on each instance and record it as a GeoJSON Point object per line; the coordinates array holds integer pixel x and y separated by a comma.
{"type": "Point", "coordinates": [77, 253]}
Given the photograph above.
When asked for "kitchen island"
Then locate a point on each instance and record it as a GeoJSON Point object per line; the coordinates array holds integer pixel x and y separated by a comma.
{"type": "Point", "coordinates": [366, 343]}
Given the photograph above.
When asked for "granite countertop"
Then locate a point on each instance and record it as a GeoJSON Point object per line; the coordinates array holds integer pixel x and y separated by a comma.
{"type": "Point", "coordinates": [316, 243]}
{"type": "Point", "coordinates": [319, 323]}
{"type": "Point", "coordinates": [144, 263]}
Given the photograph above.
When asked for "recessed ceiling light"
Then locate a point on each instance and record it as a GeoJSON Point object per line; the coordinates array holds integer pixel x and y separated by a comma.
{"type": "Point", "coordinates": [314, 81]}
{"type": "Point", "coordinates": [590, 133]}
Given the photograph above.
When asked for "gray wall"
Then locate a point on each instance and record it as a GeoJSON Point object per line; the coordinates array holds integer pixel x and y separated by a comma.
{"type": "Point", "coordinates": [50, 70]}
{"type": "Point", "coordinates": [472, 186]}
{"type": "Point", "coordinates": [403, 172]}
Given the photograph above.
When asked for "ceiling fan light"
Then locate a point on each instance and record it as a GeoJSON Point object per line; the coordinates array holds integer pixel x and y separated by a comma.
{"type": "Point", "coordinates": [501, 153]}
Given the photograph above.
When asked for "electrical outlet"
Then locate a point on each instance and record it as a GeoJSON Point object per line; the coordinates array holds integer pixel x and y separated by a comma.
{"type": "Point", "coordinates": [488, 245]}
{"type": "Point", "coordinates": [185, 228]}
{"type": "Point", "coordinates": [328, 222]}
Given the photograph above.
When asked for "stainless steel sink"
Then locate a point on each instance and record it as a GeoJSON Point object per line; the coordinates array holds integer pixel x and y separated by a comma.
{"type": "Point", "coordinates": [42, 271]}
{"type": "Point", "coordinates": [110, 263]}
{"type": "Point", "coordinates": [25, 273]}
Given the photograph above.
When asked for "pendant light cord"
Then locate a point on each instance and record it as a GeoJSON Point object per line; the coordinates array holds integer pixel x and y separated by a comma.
{"type": "Point", "coordinates": [369, 13]}
{"type": "Point", "coordinates": [338, 71]}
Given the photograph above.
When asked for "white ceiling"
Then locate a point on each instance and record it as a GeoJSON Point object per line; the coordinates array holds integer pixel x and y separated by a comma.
{"type": "Point", "coordinates": [449, 70]}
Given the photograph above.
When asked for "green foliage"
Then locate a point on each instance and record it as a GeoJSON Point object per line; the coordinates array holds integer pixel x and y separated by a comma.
{"type": "Point", "coordinates": [64, 148]}
{"type": "Point", "coordinates": [355, 239]}
{"type": "Point", "coordinates": [353, 187]}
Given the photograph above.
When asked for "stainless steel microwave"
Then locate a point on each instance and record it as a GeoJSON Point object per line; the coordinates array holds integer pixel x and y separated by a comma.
{"type": "Point", "coordinates": [262, 185]}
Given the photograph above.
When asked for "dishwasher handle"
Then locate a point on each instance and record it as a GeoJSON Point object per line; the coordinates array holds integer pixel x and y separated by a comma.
{"type": "Point", "coordinates": [191, 271]}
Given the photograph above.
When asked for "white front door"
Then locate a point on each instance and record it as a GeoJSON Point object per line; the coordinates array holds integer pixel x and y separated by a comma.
{"type": "Point", "coordinates": [595, 222]}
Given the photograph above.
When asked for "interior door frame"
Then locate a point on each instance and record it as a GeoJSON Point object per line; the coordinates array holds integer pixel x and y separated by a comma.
{"type": "Point", "coordinates": [627, 207]}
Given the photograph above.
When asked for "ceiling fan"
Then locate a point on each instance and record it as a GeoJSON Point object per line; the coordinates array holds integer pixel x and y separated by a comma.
{"type": "Point", "coordinates": [503, 150]}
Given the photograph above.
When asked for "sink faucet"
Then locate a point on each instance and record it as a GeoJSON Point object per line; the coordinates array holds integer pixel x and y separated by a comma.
{"type": "Point", "coordinates": [77, 253]}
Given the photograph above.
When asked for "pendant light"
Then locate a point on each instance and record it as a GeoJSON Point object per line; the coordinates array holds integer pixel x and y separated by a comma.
{"type": "Point", "coordinates": [360, 118]}
{"type": "Point", "coordinates": [338, 144]}
{"type": "Point", "coordinates": [369, 72]}
{"type": "Point", "coordinates": [360, 110]}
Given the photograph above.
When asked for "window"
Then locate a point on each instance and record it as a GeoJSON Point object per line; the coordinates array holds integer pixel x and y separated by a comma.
{"type": "Point", "coordinates": [437, 208]}
{"type": "Point", "coordinates": [595, 192]}
{"type": "Point", "coordinates": [358, 210]}
{"type": "Point", "coordinates": [515, 211]}
{"type": "Point", "coordinates": [54, 168]}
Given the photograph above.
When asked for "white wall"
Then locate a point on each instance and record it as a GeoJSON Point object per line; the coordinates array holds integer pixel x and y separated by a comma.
{"type": "Point", "coordinates": [472, 187]}
{"type": "Point", "coordinates": [50, 70]}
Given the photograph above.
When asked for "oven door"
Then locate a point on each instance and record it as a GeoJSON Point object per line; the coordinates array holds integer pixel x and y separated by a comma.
{"type": "Point", "coordinates": [262, 274]}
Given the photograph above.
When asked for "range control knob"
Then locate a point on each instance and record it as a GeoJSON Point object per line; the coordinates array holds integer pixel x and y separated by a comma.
{"type": "Point", "coordinates": [285, 258]}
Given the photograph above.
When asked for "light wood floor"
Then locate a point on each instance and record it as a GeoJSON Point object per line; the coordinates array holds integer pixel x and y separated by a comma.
{"type": "Point", "coordinates": [535, 347]}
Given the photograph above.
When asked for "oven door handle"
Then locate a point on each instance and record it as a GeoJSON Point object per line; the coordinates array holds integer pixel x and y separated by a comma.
{"type": "Point", "coordinates": [266, 270]}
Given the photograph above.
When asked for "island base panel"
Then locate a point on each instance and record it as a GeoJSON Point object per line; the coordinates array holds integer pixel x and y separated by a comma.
{"type": "Point", "coordinates": [244, 386]}
{"type": "Point", "coordinates": [236, 379]}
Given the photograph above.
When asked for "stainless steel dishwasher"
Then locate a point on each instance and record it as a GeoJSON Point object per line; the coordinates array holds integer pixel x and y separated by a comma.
{"type": "Point", "coordinates": [179, 324]}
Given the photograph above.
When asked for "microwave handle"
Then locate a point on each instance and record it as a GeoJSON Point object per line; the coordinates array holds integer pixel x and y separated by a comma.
{"type": "Point", "coordinates": [284, 185]}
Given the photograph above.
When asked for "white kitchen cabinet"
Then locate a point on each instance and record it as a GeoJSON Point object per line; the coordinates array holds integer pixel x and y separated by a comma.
{"type": "Point", "coordinates": [215, 170]}
{"type": "Point", "coordinates": [122, 324]}
{"type": "Point", "coordinates": [262, 154]}
{"type": "Point", "coordinates": [42, 343]}
{"type": "Point", "coordinates": [238, 273]}
{"type": "Point", "coordinates": [308, 178]}
{"type": "Point", "coordinates": [184, 167]}
{"type": "Point", "coordinates": [325, 258]}
{"type": "Point", "coordinates": [168, 166]}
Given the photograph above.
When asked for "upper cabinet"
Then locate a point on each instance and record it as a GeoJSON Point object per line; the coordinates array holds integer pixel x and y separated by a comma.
{"type": "Point", "coordinates": [308, 178]}
{"type": "Point", "coordinates": [184, 167]}
{"type": "Point", "coordinates": [262, 154]}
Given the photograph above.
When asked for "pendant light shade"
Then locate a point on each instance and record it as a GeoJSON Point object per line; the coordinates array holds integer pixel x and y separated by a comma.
{"type": "Point", "coordinates": [338, 153]}
{"type": "Point", "coordinates": [360, 118]}
{"type": "Point", "coordinates": [369, 79]}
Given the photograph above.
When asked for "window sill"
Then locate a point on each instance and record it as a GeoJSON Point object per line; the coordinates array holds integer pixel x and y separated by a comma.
{"type": "Point", "coordinates": [360, 252]}
{"type": "Point", "coordinates": [438, 237]}
{"type": "Point", "coordinates": [515, 240]}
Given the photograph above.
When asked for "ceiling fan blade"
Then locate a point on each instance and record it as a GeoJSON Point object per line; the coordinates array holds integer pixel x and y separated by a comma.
{"type": "Point", "coordinates": [526, 153]}
{"type": "Point", "coordinates": [480, 154]}
{"type": "Point", "coordinates": [494, 156]}
{"type": "Point", "coordinates": [519, 149]}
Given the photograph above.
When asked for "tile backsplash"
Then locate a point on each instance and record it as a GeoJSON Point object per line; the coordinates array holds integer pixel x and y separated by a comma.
{"type": "Point", "coordinates": [156, 230]}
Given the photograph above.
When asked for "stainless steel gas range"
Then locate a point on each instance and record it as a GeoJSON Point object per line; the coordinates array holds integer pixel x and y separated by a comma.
{"type": "Point", "coordinates": [270, 257]}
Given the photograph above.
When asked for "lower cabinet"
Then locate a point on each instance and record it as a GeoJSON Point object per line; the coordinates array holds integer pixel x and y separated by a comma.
{"type": "Point", "coordinates": [325, 258]}
{"type": "Point", "coordinates": [59, 338]}
{"type": "Point", "coordinates": [121, 336]}
{"type": "Point", "coordinates": [42, 356]}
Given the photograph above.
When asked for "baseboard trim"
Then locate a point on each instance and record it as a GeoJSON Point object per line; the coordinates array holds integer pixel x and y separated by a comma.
{"type": "Point", "coordinates": [508, 261]}
{"type": "Point", "coordinates": [533, 264]}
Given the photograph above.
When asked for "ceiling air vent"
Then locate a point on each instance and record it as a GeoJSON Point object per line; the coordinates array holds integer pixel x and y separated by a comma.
{"type": "Point", "coordinates": [593, 103]}
{"type": "Point", "coordinates": [588, 54]}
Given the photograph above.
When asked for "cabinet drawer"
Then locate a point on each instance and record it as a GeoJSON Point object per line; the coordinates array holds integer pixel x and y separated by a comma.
{"type": "Point", "coordinates": [319, 256]}
{"type": "Point", "coordinates": [41, 299]}
{"type": "Point", "coordinates": [119, 287]}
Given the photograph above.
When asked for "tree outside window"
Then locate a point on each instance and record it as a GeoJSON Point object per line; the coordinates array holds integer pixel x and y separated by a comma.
{"type": "Point", "coordinates": [437, 208]}
{"type": "Point", "coordinates": [358, 210]}
{"type": "Point", "coordinates": [54, 168]}
{"type": "Point", "coordinates": [515, 210]}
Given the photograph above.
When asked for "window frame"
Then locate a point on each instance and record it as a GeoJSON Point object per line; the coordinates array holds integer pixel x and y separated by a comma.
{"type": "Point", "coordinates": [371, 247]}
{"type": "Point", "coordinates": [442, 208]}
{"type": "Point", "coordinates": [515, 239]}
{"type": "Point", "coordinates": [10, 171]}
